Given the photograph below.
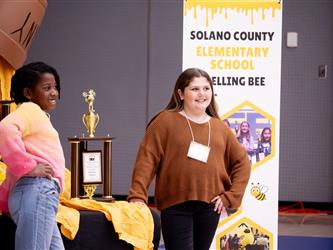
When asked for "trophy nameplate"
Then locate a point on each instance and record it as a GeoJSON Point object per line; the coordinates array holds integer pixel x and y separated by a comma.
{"type": "Point", "coordinates": [92, 167]}
{"type": "Point", "coordinates": [91, 172]}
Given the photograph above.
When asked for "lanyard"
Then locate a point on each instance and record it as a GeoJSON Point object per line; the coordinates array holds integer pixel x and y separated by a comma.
{"type": "Point", "coordinates": [189, 125]}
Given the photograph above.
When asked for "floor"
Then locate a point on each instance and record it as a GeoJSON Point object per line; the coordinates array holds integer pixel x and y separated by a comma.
{"type": "Point", "coordinates": [306, 231]}
{"type": "Point", "coordinates": [310, 225]}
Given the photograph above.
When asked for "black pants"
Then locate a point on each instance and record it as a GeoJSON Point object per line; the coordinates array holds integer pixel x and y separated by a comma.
{"type": "Point", "coordinates": [189, 226]}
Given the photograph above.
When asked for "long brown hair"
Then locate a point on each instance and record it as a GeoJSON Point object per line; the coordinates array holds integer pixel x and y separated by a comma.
{"type": "Point", "coordinates": [246, 135]}
{"type": "Point", "coordinates": [184, 79]}
{"type": "Point", "coordinates": [262, 134]}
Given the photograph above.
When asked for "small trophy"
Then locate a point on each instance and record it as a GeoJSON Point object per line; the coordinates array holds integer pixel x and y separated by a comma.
{"type": "Point", "coordinates": [258, 136]}
{"type": "Point", "coordinates": [89, 191]}
{"type": "Point", "coordinates": [236, 128]}
{"type": "Point", "coordinates": [90, 119]}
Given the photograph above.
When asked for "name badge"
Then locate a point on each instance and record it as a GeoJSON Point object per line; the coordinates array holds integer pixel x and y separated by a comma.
{"type": "Point", "coordinates": [198, 151]}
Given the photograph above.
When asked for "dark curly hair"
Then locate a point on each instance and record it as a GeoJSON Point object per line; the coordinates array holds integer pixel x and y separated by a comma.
{"type": "Point", "coordinates": [27, 77]}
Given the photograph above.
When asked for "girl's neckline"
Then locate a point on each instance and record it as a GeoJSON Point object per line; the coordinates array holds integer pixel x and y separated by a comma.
{"type": "Point", "coordinates": [203, 121]}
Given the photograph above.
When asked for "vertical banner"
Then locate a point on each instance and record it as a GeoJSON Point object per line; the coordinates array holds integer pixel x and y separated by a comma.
{"type": "Point", "coordinates": [238, 42]}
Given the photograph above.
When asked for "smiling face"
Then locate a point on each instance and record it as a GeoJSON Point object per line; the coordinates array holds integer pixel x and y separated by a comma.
{"type": "Point", "coordinates": [244, 127]}
{"type": "Point", "coordinates": [266, 135]}
{"type": "Point", "coordinates": [196, 96]}
{"type": "Point", "coordinates": [44, 93]}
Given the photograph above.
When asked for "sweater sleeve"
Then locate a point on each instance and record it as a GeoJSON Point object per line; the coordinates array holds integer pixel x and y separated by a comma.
{"type": "Point", "coordinates": [239, 169]}
{"type": "Point", "coordinates": [12, 148]}
{"type": "Point", "coordinates": [147, 161]}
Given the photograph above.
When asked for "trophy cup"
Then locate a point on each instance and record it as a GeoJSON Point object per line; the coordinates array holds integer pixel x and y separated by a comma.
{"type": "Point", "coordinates": [90, 119]}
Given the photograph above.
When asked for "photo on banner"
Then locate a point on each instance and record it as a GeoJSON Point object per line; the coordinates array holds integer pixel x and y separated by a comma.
{"type": "Point", "coordinates": [239, 44]}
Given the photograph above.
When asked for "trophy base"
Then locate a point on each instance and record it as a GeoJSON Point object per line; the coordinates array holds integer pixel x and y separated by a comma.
{"type": "Point", "coordinates": [97, 197]}
{"type": "Point", "coordinates": [107, 198]}
{"type": "Point", "coordinates": [85, 197]}
{"type": "Point", "coordinates": [75, 198]}
{"type": "Point", "coordinates": [103, 199]}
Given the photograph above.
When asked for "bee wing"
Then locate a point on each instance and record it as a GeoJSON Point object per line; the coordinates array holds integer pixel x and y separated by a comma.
{"type": "Point", "coordinates": [264, 189]}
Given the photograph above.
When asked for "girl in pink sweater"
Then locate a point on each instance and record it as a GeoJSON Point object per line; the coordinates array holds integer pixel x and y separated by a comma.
{"type": "Point", "coordinates": [32, 151]}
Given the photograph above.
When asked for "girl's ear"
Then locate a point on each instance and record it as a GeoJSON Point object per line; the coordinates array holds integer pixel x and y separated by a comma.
{"type": "Point", "coordinates": [180, 94]}
{"type": "Point", "coordinates": [27, 93]}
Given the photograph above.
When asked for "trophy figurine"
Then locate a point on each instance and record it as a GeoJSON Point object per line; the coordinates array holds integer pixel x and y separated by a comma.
{"type": "Point", "coordinates": [90, 119]}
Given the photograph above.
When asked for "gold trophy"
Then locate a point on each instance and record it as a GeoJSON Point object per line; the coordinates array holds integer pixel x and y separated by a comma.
{"type": "Point", "coordinates": [90, 119]}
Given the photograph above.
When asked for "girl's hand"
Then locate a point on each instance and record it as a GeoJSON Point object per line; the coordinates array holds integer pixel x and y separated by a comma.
{"type": "Point", "coordinates": [137, 201]}
{"type": "Point", "coordinates": [218, 204]}
{"type": "Point", "coordinates": [42, 170]}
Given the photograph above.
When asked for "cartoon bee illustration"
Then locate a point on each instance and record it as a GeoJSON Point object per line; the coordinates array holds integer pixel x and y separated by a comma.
{"type": "Point", "coordinates": [259, 191]}
{"type": "Point", "coordinates": [245, 235]}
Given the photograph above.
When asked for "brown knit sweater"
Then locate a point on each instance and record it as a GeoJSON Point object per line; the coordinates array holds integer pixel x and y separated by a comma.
{"type": "Point", "coordinates": [163, 152]}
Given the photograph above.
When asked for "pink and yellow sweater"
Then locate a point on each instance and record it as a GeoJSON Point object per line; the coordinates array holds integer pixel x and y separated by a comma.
{"type": "Point", "coordinates": [27, 138]}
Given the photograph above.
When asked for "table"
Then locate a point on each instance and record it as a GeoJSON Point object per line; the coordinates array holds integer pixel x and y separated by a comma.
{"type": "Point", "coordinates": [95, 232]}
{"type": "Point", "coordinates": [5, 108]}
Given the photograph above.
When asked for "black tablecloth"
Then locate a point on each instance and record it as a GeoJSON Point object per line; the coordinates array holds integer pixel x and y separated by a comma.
{"type": "Point", "coordinates": [95, 232]}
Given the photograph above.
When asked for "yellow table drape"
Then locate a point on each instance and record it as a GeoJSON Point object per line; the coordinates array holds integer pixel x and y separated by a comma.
{"type": "Point", "coordinates": [133, 222]}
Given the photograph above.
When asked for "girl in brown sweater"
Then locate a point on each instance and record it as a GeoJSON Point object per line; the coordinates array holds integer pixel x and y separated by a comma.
{"type": "Point", "coordinates": [200, 167]}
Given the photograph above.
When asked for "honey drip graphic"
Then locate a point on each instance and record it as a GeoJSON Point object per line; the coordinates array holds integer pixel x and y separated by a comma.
{"type": "Point", "coordinates": [247, 6]}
